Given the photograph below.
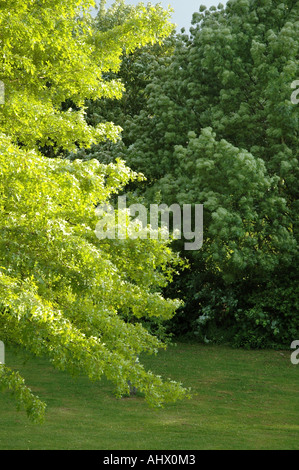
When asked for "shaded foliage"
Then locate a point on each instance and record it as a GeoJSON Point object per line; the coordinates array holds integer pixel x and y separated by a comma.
{"type": "Point", "coordinates": [218, 128]}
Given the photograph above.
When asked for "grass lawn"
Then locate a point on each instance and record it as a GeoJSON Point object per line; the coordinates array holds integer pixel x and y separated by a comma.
{"type": "Point", "coordinates": [241, 400]}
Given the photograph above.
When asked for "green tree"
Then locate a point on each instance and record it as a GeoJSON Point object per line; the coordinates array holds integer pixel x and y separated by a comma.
{"type": "Point", "coordinates": [219, 128]}
{"type": "Point", "coordinates": [136, 71]}
{"type": "Point", "coordinates": [63, 292]}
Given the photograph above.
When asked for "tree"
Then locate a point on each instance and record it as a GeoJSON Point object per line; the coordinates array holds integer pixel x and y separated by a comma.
{"type": "Point", "coordinates": [219, 128]}
{"type": "Point", "coordinates": [65, 293]}
{"type": "Point", "coordinates": [136, 71]}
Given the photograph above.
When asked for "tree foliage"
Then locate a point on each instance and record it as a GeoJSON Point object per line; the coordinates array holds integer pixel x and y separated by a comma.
{"type": "Point", "coordinates": [219, 128]}
{"type": "Point", "coordinates": [63, 292]}
{"type": "Point", "coordinates": [136, 71]}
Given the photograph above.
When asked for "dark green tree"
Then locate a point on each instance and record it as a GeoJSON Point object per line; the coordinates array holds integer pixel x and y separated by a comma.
{"type": "Point", "coordinates": [219, 128]}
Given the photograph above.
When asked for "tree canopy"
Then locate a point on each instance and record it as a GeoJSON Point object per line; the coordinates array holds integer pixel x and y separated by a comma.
{"type": "Point", "coordinates": [65, 293]}
{"type": "Point", "coordinates": [219, 128]}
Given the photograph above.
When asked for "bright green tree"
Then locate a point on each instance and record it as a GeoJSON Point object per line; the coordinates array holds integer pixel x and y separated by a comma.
{"type": "Point", "coordinates": [136, 71]}
{"type": "Point", "coordinates": [220, 129]}
{"type": "Point", "coordinates": [64, 293]}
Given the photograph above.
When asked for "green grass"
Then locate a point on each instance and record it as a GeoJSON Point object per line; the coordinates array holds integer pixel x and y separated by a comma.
{"type": "Point", "coordinates": [241, 400]}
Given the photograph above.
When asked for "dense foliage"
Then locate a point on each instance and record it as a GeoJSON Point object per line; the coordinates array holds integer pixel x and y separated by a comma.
{"type": "Point", "coordinates": [219, 128]}
{"type": "Point", "coordinates": [136, 71]}
{"type": "Point", "coordinates": [63, 292]}
{"type": "Point", "coordinates": [208, 119]}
